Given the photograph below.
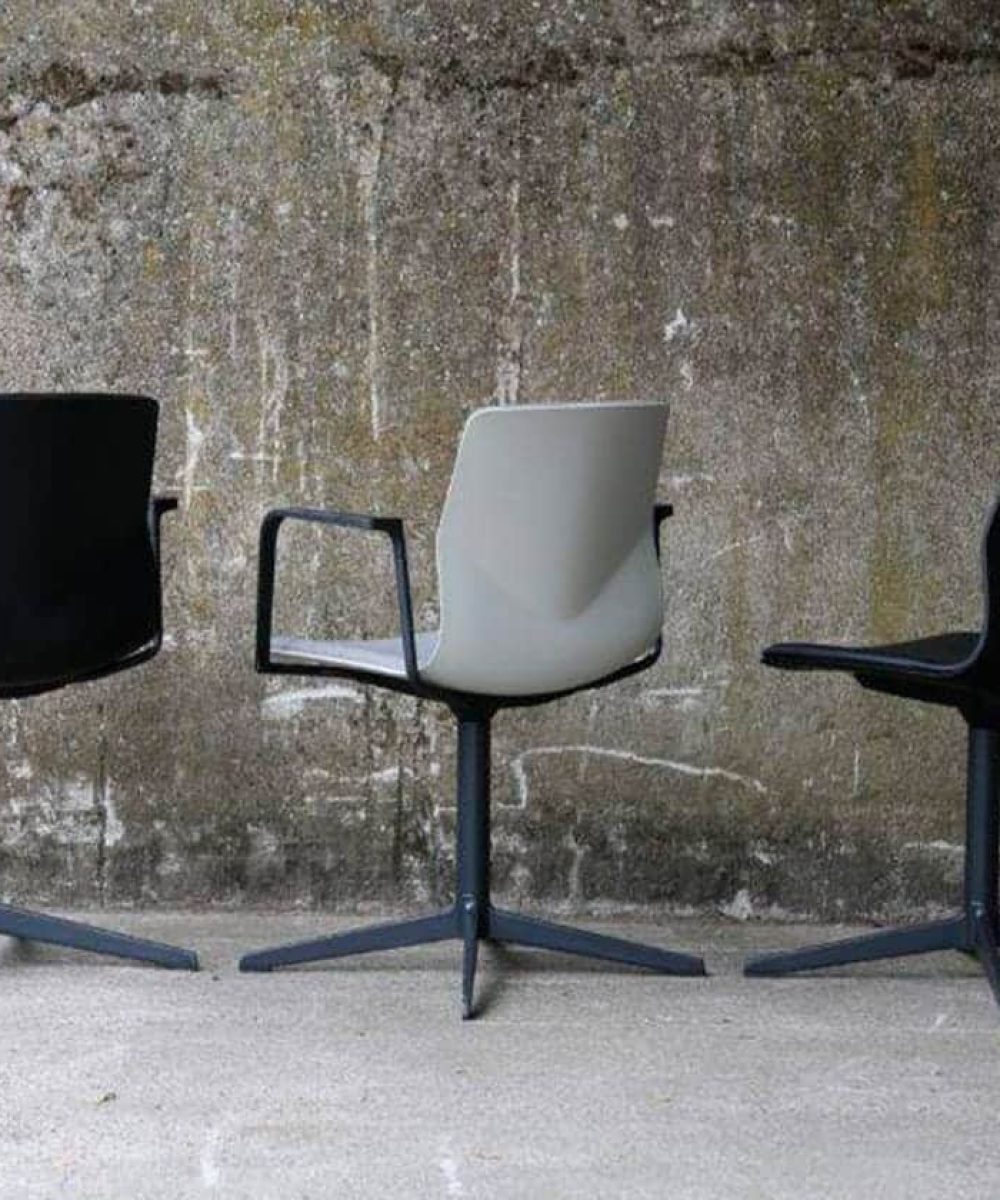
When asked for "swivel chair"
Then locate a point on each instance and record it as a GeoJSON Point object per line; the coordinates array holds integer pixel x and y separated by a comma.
{"type": "Point", "coordinates": [548, 583]}
{"type": "Point", "coordinates": [80, 593]}
{"type": "Point", "coordinates": [960, 670]}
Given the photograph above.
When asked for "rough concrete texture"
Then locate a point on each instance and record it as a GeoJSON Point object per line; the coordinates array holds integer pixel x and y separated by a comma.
{"type": "Point", "coordinates": [360, 1079]}
{"type": "Point", "coordinates": [321, 234]}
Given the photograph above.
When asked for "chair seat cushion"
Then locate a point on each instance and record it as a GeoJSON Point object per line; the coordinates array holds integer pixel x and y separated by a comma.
{"type": "Point", "coordinates": [933, 657]}
{"type": "Point", "coordinates": [376, 656]}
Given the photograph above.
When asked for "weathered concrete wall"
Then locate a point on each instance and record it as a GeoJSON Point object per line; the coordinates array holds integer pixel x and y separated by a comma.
{"type": "Point", "coordinates": [322, 234]}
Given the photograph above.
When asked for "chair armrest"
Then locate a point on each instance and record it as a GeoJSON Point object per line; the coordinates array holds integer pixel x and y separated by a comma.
{"type": "Point", "coordinates": [392, 527]}
{"type": "Point", "coordinates": [158, 507]}
{"type": "Point", "coordinates": [660, 514]}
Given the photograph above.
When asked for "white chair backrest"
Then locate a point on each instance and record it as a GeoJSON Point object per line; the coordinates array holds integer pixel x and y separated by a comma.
{"type": "Point", "coordinates": [547, 571]}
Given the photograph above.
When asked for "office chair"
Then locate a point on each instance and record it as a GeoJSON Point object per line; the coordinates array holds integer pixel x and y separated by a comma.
{"type": "Point", "coordinates": [548, 583]}
{"type": "Point", "coordinates": [960, 670]}
{"type": "Point", "coordinates": [80, 590]}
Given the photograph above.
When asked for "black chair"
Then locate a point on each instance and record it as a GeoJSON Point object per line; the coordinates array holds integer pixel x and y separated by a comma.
{"type": "Point", "coordinates": [960, 670]}
{"type": "Point", "coordinates": [80, 591]}
{"type": "Point", "coordinates": [549, 583]}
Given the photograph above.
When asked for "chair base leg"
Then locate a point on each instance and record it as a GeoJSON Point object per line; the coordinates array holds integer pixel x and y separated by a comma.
{"type": "Point", "coordinates": [58, 931]}
{"type": "Point", "coordinates": [985, 939]}
{"type": "Point", "coordinates": [887, 943]}
{"type": "Point", "coordinates": [473, 918]}
{"type": "Point", "coordinates": [471, 925]}
{"type": "Point", "coordinates": [507, 926]}
{"type": "Point", "coordinates": [975, 934]}
{"type": "Point", "coordinates": [391, 935]}
{"type": "Point", "coordinates": [470, 919]}
{"type": "Point", "coordinates": [976, 931]}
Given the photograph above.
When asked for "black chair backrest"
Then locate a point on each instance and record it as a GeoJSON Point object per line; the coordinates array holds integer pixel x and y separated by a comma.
{"type": "Point", "coordinates": [79, 582]}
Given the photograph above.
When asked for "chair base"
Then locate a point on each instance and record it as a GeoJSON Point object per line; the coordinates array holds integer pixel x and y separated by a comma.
{"type": "Point", "coordinates": [472, 924]}
{"type": "Point", "coordinates": [473, 918]}
{"type": "Point", "coordinates": [976, 931]}
{"type": "Point", "coordinates": [59, 931]}
{"type": "Point", "coordinates": [975, 934]}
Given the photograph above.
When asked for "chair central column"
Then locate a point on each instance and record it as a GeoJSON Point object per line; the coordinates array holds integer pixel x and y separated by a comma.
{"type": "Point", "coordinates": [473, 814]}
{"type": "Point", "coordinates": [982, 843]}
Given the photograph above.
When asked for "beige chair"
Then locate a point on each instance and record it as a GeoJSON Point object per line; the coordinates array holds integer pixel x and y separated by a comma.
{"type": "Point", "coordinates": [548, 583]}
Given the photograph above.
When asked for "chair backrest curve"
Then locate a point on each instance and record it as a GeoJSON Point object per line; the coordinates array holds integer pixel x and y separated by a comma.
{"type": "Point", "coordinates": [547, 569]}
{"type": "Point", "coordinates": [79, 588]}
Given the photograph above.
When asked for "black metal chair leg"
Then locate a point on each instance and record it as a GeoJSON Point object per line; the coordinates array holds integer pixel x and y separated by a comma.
{"type": "Point", "coordinates": [389, 936]}
{"type": "Point", "coordinates": [58, 931]}
{"type": "Point", "coordinates": [989, 953]}
{"type": "Point", "coordinates": [887, 943]}
{"type": "Point", "coordinates": [529, 931]}
{"type": "Point", "coordinates": [469, 919]}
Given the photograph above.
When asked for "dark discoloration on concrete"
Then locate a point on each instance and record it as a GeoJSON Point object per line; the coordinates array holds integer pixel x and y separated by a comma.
{"type": "Point", "coordinates": [322, 234]}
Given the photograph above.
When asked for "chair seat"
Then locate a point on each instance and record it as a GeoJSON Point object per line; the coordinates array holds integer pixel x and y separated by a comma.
{"type": "Point", "coordinates": [13, 687]}
{"type": "Point", "coordinates": [938, 657]}
{"type": "Point", "coordinates": [377, 656]}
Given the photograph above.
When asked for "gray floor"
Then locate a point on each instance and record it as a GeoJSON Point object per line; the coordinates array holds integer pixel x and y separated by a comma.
{"type": "Point", "coordinates": [578, 1080]}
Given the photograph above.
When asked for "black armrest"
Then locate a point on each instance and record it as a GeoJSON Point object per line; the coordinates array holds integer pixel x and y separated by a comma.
{"type": "Point", "coordinates": [158, 506]}
{"type": "Point", "coordinates": [391, 526]}
{"type": "Point", "coordinates": [660, 514]}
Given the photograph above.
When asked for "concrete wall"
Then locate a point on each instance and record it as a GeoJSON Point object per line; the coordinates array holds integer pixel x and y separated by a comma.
{"type": "Point", "coordinates": [322, 234]}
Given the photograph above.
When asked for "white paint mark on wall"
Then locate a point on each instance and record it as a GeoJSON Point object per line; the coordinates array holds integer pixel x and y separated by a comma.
{"type": "Point", "coordinates": [740, 908]}
{"type": "Point", "coordinates": [194, 439]}
{"type": "Point", "coordinates": [574, 888]}
{"type": "Point", "coordinates": [682, 480]}
{"type": "Point", "coordinates": [729, 547]}
{"type": "Point", "coordinates": [114, 830]}
{"type": "Point", "coordinates": [687, 375]}
{"type": "Point", "coordinates": [388, 774]}
{"type": "Point", "coordinates": [283, 705]}
{"type": "Point", "coordinates": [274, 379]}
{"type": "Point", "coordinates": [936, 847]}
{"type": "Point", "coordinates": [784, 524]}
{"type": "Point", "coordinates": [510, 353]}
{"type": "Point", "coordinates": [519, 772]}
{"type": "Point", "coordinates": [369, 159]}
{"type": "Point", "coordinates": [684, 698]}
{"type": "Point", "coordinates": [676, 326]}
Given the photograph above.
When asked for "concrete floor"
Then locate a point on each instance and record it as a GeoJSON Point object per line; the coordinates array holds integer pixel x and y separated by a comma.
{"type": "Point", "coordinates": [577, 1080]}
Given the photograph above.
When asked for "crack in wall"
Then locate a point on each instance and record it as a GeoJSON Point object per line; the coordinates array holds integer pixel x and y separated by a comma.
{"type": "Point", "coordinates": [64, 86]}
{"type": "Point", "coordinates": [909, 60]}
{"type": "Point", "coordinates": [553, 66]}
{"type": "Point", "coordinates": [560, 67]}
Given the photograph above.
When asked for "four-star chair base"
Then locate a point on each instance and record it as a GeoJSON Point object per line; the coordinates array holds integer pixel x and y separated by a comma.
{"type": "Point", "coordinates": [59, 931]}
{"type": "Point", "coordinates": [473, 918]}
{"type": "Point", "coordinates": [975, 932]}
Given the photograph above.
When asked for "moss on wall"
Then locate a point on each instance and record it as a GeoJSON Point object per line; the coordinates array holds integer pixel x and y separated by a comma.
{"type": "Point", "coordinates": [322, 234]}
